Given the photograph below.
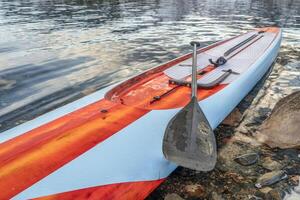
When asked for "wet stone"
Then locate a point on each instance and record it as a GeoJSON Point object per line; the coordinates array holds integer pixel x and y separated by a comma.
{"type": "Point", "coordinates": [173, 196]}
{"type": "Point", "coordinates": [293, 170]}
{"type": "Point", "coordinates": [270, 178]}
{"type": "Point", "coordinates": [265, 190]}
{"type": "Point", "coordinates": [274, 195]}
{"type": "Point", "coordinates": [270, 164]}
{"type": "Point", "coordinates": [235, 177]}
{"type": "Point", "coordinates": [281, 129]}
{"type": "Point", "coordinates": [234, 118]}
{"type": "Point", "coordinates": [195, 190]}
{"type": "Point", "coordinates": [294, 180]}
{"type": "Point", "coordinates": [216, 196]}
{"type": "Point", "coordinates": [253, 197]}
{"type": "Point", "coordinates": [290, 154]}
{"type": "Point", "coordinates": [247, 159]}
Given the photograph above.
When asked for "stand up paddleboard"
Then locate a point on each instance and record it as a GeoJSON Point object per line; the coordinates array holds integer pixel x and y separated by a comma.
{"type": "Point", "coordinates": [123, 141]}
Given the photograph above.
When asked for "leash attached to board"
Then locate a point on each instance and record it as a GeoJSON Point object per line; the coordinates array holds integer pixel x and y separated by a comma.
{"type": "Point", "coordinates": [189, 140]}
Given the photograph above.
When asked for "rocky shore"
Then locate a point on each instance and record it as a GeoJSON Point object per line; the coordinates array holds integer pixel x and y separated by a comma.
{"type": "Point", "coordinates": [259, 155]}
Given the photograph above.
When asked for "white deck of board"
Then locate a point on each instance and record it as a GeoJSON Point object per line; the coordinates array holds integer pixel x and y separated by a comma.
{"type": "Point", "coordinates": [239, 63]}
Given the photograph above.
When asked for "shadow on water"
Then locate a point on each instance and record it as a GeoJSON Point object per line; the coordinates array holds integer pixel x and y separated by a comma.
{"type": "Point", "coordinates": [54, 100]}
{"type": "Point", "coordinates": [25, 77]}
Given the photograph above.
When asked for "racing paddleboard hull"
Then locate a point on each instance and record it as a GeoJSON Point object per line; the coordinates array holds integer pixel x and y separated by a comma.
{"type": "Point", "coordinates": [108, 145]}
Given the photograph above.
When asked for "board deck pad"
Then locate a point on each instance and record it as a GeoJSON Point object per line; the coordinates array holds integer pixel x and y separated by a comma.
{"type": "Point", "coordinates": [240, 63]}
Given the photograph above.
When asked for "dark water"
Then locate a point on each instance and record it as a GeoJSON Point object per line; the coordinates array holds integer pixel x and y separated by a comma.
{"type": "Point", "coordinates": [53, 52]}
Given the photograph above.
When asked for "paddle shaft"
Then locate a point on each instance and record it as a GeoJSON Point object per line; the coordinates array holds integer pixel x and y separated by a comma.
{"type": "Point", "coordinates": [194, 71]}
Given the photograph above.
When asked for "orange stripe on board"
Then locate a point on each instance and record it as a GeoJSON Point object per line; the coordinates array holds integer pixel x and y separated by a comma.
{"type": "Point", "coordinates": [49, 147]}
{"type": "Point", "coordinates": [119, 191]}
{"type": "Point", "coordinates": [141, 94]}
{"type": "Point", "coordinates": [32, 156]}
{"type": "Point", "coordinates": [13, 147]}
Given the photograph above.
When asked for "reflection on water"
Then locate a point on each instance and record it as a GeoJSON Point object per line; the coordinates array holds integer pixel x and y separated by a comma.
{"type": "Point", "coordinates": [52, 52]}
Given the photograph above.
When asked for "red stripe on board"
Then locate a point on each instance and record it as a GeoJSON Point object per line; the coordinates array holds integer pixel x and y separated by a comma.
{"type": "Point", "coordinates": [119, 191]}
{"type": "Point", "coordinates": [34, 155]}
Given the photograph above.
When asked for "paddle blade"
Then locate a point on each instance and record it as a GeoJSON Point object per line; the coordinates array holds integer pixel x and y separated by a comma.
{"type": "Point", "coordinates": [189, 140]}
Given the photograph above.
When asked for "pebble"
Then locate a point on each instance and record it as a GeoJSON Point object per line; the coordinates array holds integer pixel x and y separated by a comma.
{"type": "Point", "coordinates": [234, 118]}
{"type": "Point", "coordinates": [235, 177]}
{"type": "Point", "coordinates": [295, 180]}
{"type": "Point", "coordinates": [265, 190]}
{"type": "Point", "coordinates": [247, 159]}
{"type": "Point", "coordinates": [274, 195]}
{"type": "Point", "coordinates": [270, 164]}
{"type": "Point", "coordinates": [270, 178]}
{"type": "Point", "coordinates": [216, 196]}
{"type": "Point", "coordinates": [195, 190]}
{"type": "Point", "coordinates": [293, 170]}
{"type": "Point", "coordinates": [173, 196]}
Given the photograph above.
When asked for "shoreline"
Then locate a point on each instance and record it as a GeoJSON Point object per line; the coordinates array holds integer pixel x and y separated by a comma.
{"type": "Point", "coordinates": [231, 180]}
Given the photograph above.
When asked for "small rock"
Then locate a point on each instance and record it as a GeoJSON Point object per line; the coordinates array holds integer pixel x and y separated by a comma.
{"type": "Point", "coordinates": [247, 159]}
{"type": "Point", "coordinates": [293, 170]}
{"type": "Point", "coordinates": [234, 118]}
{"type": "Point", "coordinates": [226, 156]}
{"type": "Point", "coordinates": [253, 197]}
{"type": "Point", "coordinates": [216, 196]}
{"type": "Point", "coordinates": [281, 129]}
{"type": "Point", "coordinates": [270, 164]}
{"type": "Point", "coordinates": [274, 195]}
{"type": "Point", "coordinates": [240, 137]}
{"type": "Point", "coordinates": [291, 154]}
{"type": "Point", "coordinates": [297, 188]}
{"type": "Point", "coordinates": [195, 190]}
{"type": "Point", "coordinates": [295, 180]}
{"type": "Point", "coordinates": [234, 176]}
{"type": "Point", "coordinates": [270, 178]}
{"type": "Point", "coordinates": [173, 196]}
{"type": "Point", "coordinates": [265, 190]}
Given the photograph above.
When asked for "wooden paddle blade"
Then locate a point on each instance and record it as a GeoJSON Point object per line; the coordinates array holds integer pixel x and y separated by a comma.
{"type": "Point", "coordinates": [189, 140]}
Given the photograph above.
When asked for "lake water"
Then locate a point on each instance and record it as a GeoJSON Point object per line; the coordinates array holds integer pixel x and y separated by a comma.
{"type": "Point", "coordinates": [53, 52]}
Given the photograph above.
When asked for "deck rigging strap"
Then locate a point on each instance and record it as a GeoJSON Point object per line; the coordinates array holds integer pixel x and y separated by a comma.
{"type": "Point", "coordinates": [229, 51]}
{"type": "Point", "coordinates": [211, 84]}
{"type": "Point", "coordinates": [222, 60]}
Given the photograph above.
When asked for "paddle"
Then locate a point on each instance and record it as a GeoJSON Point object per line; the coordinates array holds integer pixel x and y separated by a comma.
{"type": "Point", "coordinates": [189, 141]}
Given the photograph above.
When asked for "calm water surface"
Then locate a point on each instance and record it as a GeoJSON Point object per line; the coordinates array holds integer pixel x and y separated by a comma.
{"type": "Point", "coordinates": [53, 52]}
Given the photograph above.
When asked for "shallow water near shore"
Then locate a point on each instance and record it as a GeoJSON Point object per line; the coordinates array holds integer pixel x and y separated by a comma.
{"type": "Point", "coordinates": [54, 52]}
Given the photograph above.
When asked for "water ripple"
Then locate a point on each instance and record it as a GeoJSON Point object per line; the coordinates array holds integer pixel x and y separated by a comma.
{"type": "Point", "coordinates": [55, 51]}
